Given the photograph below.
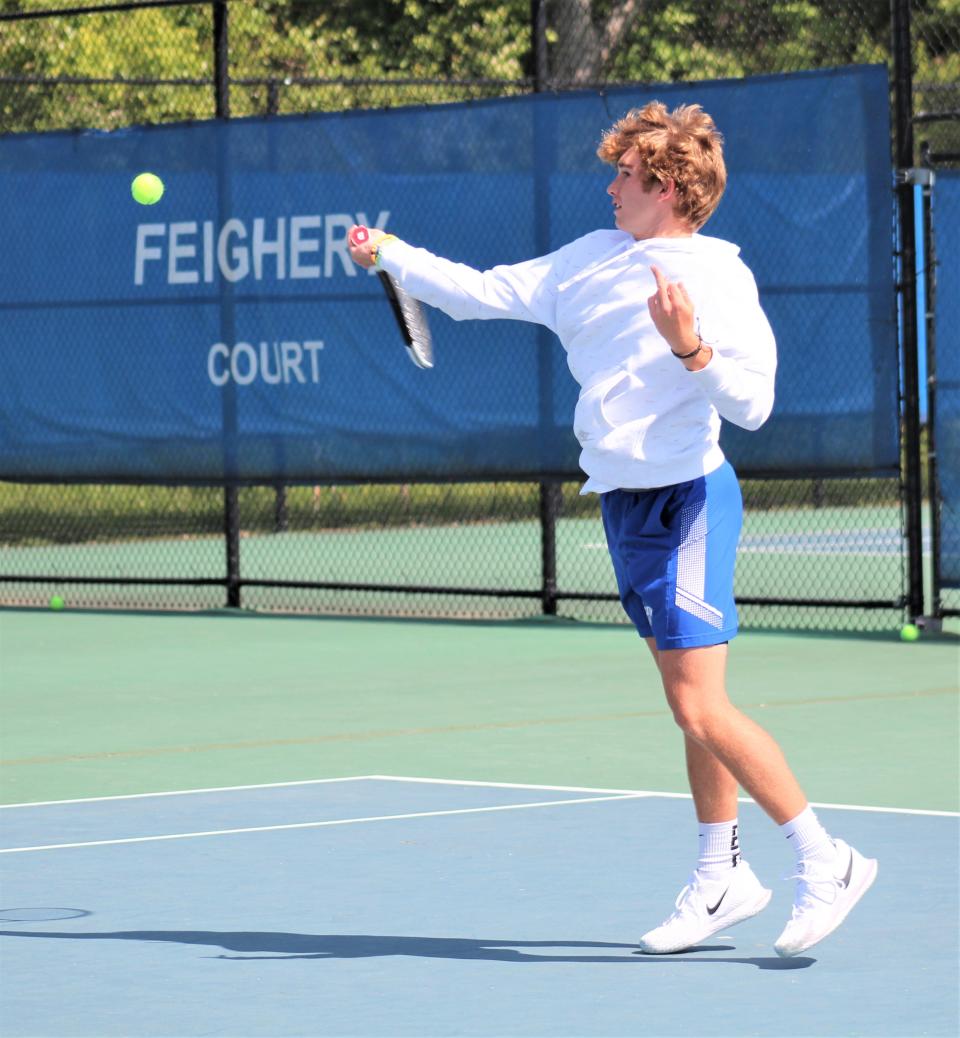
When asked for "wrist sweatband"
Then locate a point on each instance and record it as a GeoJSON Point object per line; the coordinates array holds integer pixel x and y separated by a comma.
{"type": "Point", "coordinates": [376, 254]}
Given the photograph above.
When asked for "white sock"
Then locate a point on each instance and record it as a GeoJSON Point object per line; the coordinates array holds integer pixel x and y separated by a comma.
{"type": "Point", "coordinates": [811, 842]}
{"type": "Point", "coordinates": [719, 846]}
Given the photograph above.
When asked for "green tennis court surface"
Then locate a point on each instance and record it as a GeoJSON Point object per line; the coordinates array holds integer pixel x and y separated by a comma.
{"type": "Point", "coordinates": [377, 907]}
{"type": "Point", "coordinates": [98, 704]}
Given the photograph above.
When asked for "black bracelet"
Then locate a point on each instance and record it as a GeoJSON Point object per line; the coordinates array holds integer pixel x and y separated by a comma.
{"type": "Point", "coordinates": [692, 353]}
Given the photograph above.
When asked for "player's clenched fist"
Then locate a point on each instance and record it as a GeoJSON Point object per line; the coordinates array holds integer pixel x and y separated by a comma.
{"type": "Point", "coordinates": [363, 244]}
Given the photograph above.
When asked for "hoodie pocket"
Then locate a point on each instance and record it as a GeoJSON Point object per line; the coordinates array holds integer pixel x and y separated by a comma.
{"type": "Point", "coordinates": [605, 406]}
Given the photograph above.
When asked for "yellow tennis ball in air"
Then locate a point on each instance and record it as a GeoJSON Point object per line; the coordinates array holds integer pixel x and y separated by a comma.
{"type": "Point", "coordinates": [147, 188]}
{"type": "Point", "coordinates": [56, 602]}
{"type": "Point", "coordinates": [909, 632]}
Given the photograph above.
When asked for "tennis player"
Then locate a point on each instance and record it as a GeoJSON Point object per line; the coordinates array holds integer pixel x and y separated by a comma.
{"type": "Point", "coordinates": [665, 335]}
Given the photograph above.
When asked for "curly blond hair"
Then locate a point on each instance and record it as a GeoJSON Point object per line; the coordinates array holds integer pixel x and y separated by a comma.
{"type": "Point", "coordinates": [683, 146]}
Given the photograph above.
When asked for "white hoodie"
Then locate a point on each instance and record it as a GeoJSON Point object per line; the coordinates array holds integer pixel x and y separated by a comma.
{"type": "Point", "coordinates": [642, 419]}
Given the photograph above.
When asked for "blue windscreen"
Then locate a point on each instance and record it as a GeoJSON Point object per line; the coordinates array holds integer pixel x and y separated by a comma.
{"type": "Point", "coordinates": [946, 222]}
{"type": "Point", "coordinates": [224, 334]}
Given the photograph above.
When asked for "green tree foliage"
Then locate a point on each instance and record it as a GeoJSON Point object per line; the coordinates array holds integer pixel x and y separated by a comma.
{"type": "Point", "coordinates": [375, 53]}
{"type": "Point", "coordinates": [936, 32]}
{"type": "Point", "coordinates": [731, 39]}
{"type": "Point", "coordinates": [69, 64]}
{"type": "Point", "coordinates": [308, 55]}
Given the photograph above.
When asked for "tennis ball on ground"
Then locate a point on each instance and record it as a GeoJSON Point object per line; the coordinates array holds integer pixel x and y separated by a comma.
{"type": "Point", "coordinates": [56, 602]}
{"type": "Point", "coordinates": [147, 188]}
{"type": "Point", "coordinates": [909, 632]}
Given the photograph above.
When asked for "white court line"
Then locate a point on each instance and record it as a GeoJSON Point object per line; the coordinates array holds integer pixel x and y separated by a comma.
{"type": "Point", "coordinates": [635, 793]}
{"type": "Point", "coordinates": [524, 785]}
{"type": "Point", "coordinates": [887, 810]}
{"type": "Point", "coordinates": [308, 825]}
{"type": "Point", "coordinates": [188, 792]}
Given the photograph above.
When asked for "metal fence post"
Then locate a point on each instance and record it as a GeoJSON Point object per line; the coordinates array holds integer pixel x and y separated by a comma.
{"type": "Point", "coordinates": [231, 495]}
{"type": "Point", "coordinates": [930, 324]}
{"type": "Point", "coordinates": [549, 492]}
{"type": "Point", "coordinates": [221, 59]}
{"type": "Point", "coordinates": [549, 510]}
{"type": "Point", "coordinates": [538, 43]}
{"type": "Point", "coordinates": [907, 287]}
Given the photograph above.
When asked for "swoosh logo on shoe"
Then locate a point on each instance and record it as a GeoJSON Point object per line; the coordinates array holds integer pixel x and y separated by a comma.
{"type": "Point", "coordinates": [711, 911]}
{"type": "Point", "coordinates": [845, 882]}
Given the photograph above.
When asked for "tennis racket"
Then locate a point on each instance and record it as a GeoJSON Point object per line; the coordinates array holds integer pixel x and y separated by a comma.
{"type": "Point", "coordinates": [411, 319]}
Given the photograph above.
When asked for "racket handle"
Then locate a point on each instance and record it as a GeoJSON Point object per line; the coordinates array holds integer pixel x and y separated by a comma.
{"type": "Point", "coordinates": [360, 235]}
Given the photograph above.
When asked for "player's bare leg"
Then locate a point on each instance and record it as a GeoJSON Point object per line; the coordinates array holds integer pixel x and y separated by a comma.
{"type": "Point", "coordinates": [725, 748]}
{"type": "Point", "coordinates": [694, 682]}
{"type": "Point", "coordinates": [714, 789]}
{"type": "Point", "coordinates": [720, 893]}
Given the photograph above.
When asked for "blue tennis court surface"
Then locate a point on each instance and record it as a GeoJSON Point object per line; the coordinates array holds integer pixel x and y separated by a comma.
{"type": "Point", "coordinates": [886, 541]}
{"type": "Point", "coordinates": [377, 906]}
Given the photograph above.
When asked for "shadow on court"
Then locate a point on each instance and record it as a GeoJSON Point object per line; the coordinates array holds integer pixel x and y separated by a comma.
{"type": "Point", "coordinates": [355, 946]}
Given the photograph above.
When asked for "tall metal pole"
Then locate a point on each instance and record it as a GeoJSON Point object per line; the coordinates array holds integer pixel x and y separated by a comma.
{"type": "Point", "coordinates": [538, 43]}
{"type": "Point", "coordinates": [550, 493]}
{"type": "Point", "coordinates": [231, 494]}
{"type": "Point", "coordinates": [221, 59]}
{"type": "Point", "coordinates": [930, 323]}
{"type": "Point", "coordinates": [903, 137]}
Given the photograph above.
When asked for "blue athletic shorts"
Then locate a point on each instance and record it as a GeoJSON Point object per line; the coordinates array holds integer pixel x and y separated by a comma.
{"type": "Point", "coordinates": [673, 551]}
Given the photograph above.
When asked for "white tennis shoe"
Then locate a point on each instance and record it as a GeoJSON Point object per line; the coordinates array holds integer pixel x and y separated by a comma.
{"type": "Point", "coordinates": [825, 895]}
{"type": "Point", "coordinates": [708, 903]}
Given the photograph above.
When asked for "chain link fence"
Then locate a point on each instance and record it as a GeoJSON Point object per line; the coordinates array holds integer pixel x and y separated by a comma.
{"type": "Point", "coordinates": [109, 65]}
{"type": "Point", "coordinates": [817, 551]}
{"type": "Point", "coordinates": [456, 550]}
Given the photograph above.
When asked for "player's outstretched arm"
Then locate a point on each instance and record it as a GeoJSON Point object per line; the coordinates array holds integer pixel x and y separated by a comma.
{"type": "Point", "coordinates": [521, 291]}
